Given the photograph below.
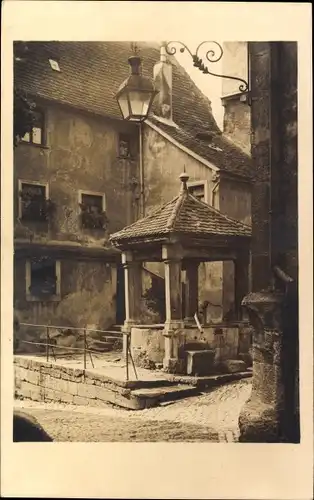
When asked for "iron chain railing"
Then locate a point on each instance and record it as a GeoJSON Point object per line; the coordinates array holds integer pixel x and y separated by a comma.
{"type": "Point", "coordinates": [48, 344]}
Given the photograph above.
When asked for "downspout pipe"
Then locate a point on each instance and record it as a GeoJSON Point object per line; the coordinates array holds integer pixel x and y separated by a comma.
{"type": "Point", "coordinates": [141, 165]}
{"type": "Point", "coordinates": [214, 188]}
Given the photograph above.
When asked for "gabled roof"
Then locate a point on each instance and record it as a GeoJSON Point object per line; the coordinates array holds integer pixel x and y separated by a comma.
{"type": "Point", "coordinates": [90, 75]}
{"type": "Point", "coordinates": [220, 152]}
{"type": "Point", "coordinates": [184, 215]}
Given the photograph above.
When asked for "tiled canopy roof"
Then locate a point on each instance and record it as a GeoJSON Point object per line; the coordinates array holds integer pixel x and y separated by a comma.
{"type": "Point", "coordinates": [90, 75]}
{"type": "Point", "coordinates": [185, 214]}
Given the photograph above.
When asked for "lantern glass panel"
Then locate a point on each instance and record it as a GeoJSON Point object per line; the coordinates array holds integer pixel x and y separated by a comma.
{"type": "Point", "coordinates": [139, 102]}
{"type": "Point", "coordinates": [124, 105]}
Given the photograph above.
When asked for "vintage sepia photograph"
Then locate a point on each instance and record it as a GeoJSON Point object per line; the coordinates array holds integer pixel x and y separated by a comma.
{"type": "Point", "coordinates": [156, 241]}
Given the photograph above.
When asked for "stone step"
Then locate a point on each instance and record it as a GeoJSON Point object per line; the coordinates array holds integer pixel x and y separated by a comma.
{"type": "Point", "coordinates": [116, 328]}
{"type": "Point", "coordinates": [147, 398]}
{"type": "Point", "coordinates": [100, 346]}
{"type": "Point", "coordinates": [105, 334]}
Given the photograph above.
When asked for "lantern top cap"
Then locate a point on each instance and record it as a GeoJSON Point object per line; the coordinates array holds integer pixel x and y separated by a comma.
{"type": "Point", "coordinates": [135, 62]}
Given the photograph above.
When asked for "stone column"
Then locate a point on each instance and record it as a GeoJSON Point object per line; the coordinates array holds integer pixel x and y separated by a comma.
{"type": "Point", "coordinates": [133, 292]}
{"type": "Point", "coordinates": [174, 323]}
{"type": "Point", "coordinates": [191, 290]}
{"type": "Point", "coordinates": [241, 281]}
{"type": "Point", "coordinates": [271, 414]}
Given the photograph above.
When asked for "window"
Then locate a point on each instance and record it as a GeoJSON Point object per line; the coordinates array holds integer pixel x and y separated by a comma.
{"type": "Point", "coordinates": [33, 201]}
{"type": "Point", "coordinates": [197, 190]}
{"type": "Point", "coordinates": [54, 65]}
{"type": "Point", "coordinates": [43, 278]}
{"type": "Point", "coordinates": [36, 134]}
{"type": "Point", "coordinates": [124, 146]}
{"type": "Point", "coordinates": [93, 210]}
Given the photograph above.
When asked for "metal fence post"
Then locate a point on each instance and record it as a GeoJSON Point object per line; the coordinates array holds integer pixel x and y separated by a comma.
{"type": "Point", "coordinates": [47, 343]}
{"type": "Point", "coordinates": [84, 348]}
{"type": "Point", "coordinates": [127, 356]}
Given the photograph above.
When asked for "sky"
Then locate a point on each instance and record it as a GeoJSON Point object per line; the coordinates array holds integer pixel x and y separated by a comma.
{"type": "Point", "coordinates": [211, 86]}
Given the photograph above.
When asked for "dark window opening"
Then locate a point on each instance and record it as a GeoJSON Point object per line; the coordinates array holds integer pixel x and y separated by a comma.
{"type": "Point", "coordinates": [36, 134]}
{"type": "Point", "coordinates": [124, 146]}
{"type": "Point", "coordinates": [33, 202]}
{"type": "Point", "coordinates": [92, 214]}
{"type": "Point", "coordinates": [198, 192]}
{"type": "Point", "coordinates": [43, 277]}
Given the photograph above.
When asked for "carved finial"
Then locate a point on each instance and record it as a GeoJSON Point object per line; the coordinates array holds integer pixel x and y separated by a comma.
{"type": "Point", "coordinates": [135, 48]}
{"type": "Point", "coordinates": [184, 177]}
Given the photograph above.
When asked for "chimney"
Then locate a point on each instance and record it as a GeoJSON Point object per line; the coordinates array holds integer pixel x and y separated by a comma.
{"type": "Point", "coordinates": [163, 83]}
{"type": "Point", "coordinates": [237, 112]}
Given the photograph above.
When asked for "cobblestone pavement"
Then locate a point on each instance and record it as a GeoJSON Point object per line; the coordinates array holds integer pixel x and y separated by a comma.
{"type": "Point", "coordinates": [211, 416]}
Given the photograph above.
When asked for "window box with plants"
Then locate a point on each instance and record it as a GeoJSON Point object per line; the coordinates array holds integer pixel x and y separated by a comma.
{"type": "Point", "coordinates": [35, 207]}
{"type": "Point", "coordinates": [93, 217]}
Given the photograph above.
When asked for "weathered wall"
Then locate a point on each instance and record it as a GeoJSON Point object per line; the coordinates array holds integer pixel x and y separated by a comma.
{"type": "Point", "coordinates": [237, 122]}
{"type": "Point", "coordinates": [235, 201]}
{"type": "Point", "coordinates": [228, 341]}
{"type": "Point", "coordinates": [81, 153]}
{"type": "Point", "coordinates": [88, 294]}
{"type": "Point", "coordinates": [163, 163]}
{"type": "Point", "coordinates": [237, 116]}
{"type": "Point", "coordinates": [234, 63]}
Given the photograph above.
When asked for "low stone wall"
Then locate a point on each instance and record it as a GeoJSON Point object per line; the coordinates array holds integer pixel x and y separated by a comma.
{"type": "Point", "coordinates": [147, 345]}
{"type": "Point", "coordinates": [230, 341]}
{"type": "Point", "coordinates": [40, 380]}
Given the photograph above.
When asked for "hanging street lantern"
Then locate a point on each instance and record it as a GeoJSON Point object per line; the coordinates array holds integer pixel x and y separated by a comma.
{"type": "Point", "coordinates": [136, 94]}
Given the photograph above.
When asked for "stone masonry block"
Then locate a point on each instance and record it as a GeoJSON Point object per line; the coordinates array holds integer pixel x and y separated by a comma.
{"type": "Point", "coordinates": [116, 398]}
{"type": "Point", "coordinates": [234, 365]}
{"type": "Point", "coordinates": [31, 391]}
{"type": "Point", "coordinates": [50, 382]}
{"type": "Point", "coordinates": [73, 376]}
{"type": "Point", "coordinates": [54, 371]}
{"type": "Point", "coordinates": [34, 377]}
{"type": "Point", "coordinates": [78, 400]}
{"type": "Point", "coordinates": [66, 398]}
{"type": "Point", "coordinates": [62, 385]}
{"type": "Point", "coordinates": [100, 379]}
{"type": "Point", "coordinates": [21, 373]}
{"type": "Point", "coordinates": [200, 362]}
{"type": "Point", "coordinates": [53, 395]}
{"type": "Point", "coordinates": [86, 391]}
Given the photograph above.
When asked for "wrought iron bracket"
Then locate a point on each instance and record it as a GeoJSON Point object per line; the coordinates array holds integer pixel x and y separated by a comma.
{"type": "Point", "coordinates": [213, 55]}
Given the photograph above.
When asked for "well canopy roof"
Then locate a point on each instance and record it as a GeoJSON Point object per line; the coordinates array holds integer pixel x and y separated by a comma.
{"type": "Point", "coordinates": [183, 215]}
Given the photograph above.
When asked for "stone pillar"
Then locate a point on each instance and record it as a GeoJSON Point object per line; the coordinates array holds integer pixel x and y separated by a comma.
{"type": "Point", "coordinates": [133, 292]}
{"type": "Point", "coordinates": [174, 323]}
{"type": "Point", "coordinates": [271, 414]}
{"type": "Point", "coordinates": [241, 281]}
{"type": "Point", "coordinates": [191, 290]}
